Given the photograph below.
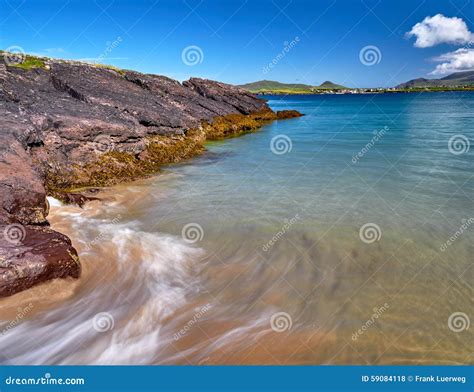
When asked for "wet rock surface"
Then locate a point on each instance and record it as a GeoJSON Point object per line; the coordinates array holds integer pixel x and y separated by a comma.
{"type": "Point", "coordinates": [65, 119]}
{"type": "Point", "coordinates": [33, 254]}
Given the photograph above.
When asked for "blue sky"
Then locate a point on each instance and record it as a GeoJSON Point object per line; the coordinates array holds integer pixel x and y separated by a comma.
{"type": "Point", "coordinates": [235, 41]}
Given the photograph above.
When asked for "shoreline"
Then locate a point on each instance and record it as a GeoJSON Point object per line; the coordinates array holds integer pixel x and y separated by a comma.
{"type": "Point", "coordinates": [138, 268]}
{"type": "Point", "coordinates": [118, 166]}
{"type": "Point", "coordinates": [408, 91]}
{"type": "Point", "coordinates": [69, 126]}
{"type": "Point", "coordinates": [109, 170]}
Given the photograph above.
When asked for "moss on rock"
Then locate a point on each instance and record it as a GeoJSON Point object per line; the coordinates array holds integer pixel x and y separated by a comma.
{"type": "Point", "coordinates": [118, 166]}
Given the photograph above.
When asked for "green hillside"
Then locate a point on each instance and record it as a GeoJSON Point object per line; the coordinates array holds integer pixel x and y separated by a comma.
{"type": "Point", "coordinates": [456, 79]}
{"type": "Point", "coordinates": [331, 86]}
{"type": "Point", "coordinates": [273, 86]}
{"type": "Point", "coordinates": [270, 86]}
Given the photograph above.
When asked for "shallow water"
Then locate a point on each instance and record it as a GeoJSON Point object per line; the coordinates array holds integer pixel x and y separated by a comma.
{"type": "Point", "coordinates": [306, 253]}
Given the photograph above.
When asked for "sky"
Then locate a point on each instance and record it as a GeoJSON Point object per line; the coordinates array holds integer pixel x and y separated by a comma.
{"type": "Point", "coordinates": [355, 43]}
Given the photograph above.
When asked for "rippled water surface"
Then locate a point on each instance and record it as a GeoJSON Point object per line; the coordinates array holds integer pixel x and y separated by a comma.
{"type": "Point", "coordinates": [344, 237]}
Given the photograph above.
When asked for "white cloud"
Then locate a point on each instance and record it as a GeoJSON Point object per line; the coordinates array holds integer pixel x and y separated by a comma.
{"type": "Point", "coordinates": [439, 29]}
{"type": "Point", "coordinates": [459, 60]}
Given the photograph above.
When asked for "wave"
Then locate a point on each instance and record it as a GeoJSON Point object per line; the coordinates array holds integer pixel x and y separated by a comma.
{"type": "Point", "coordinates": [133, 281]}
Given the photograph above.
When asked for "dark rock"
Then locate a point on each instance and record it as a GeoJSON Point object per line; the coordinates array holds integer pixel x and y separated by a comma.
{"type": "Point", "coordinates": [33, 254]}
{"type": "Point", "coordinates": [68, 124]}
{"type": "Point", "coordinates": [78, 199]}
{"type": "Point", "coordinates": [284, 114]}
{"type": "Point", "coordinates": [22, 194]}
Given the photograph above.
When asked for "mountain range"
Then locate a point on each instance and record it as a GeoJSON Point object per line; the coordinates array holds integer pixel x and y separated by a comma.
{"type": "Point", "coordinates": [273, 86]}
{"type": "Point", "coordinates": [457, 79]}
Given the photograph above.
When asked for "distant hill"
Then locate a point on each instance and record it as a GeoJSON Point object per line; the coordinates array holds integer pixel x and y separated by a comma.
{"type": "Point", "coordinates": [330, 85]}
{"type": "Point", "coordinates": [271, 86]}
{"type": "Point", "coordinates": [465, 78]}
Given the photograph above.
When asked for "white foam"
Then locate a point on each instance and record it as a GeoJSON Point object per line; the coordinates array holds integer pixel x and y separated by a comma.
{"type": "Point", "coordinates": [53, 202]}
{"type": "Point", "coordinates": [150, 281]}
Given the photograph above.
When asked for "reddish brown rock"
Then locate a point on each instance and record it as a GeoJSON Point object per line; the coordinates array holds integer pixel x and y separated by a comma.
{"type": "Point", "coordinates": [78, 199]}
{"type": "Point", "coordinates": [67, 124]}
{"type": "Point", "coordinates": [284, 114]}
{"type": "Point", "coordinates": [33, 254]}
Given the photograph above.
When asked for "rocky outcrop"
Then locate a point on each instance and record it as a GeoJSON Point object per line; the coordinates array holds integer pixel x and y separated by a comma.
{"type": "Point", "coordinates": [31, 254]}
{"type": "Point", "coordinates": [65, 125]}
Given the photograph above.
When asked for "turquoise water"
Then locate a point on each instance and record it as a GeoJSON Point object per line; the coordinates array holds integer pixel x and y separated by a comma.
{"type": "Point", "coordinates": [407, 178]}
{"type": "Point", "coordinates": [351, 244]}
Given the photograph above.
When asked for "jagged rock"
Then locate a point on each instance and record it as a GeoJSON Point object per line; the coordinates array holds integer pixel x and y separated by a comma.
{"type": "Point", "coordinates": [284, 114]}
{"type": "Point", "coordinates": [32, 254]}
{"type": "Point", "coordinates": [58, 121]}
